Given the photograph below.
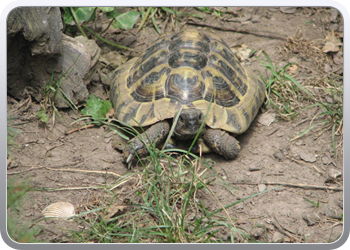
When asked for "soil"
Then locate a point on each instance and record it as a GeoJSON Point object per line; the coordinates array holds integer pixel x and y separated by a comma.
{"type": "Point", "coordinates": [44, 152]}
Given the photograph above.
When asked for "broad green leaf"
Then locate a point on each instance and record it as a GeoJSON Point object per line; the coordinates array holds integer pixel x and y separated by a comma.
{"type": "Point", "coordinates": [126, 20]}
{"type": "Point", "coordinates": [106, 9]}
{"type": "Point", "coordinates": [82, 13]}
{"type": "Point", "coordinates": [112, 14]}
{"type": "Point", "coordinates": [96, 108]}
{"type": "Point", "coordinates": [42, 115]}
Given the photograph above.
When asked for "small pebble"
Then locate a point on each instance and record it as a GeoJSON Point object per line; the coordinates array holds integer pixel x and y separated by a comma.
{"type": "Point", "coordinates": [267, 118]}
{"type": "Point", "coordinates": [254, 168]}
{"type": "Point", "coordinates": [257, 232]}
{"type": "Point", "coordinates": [280, 189]}
{"type": "Point", "coordinates": [278, 156]}
{"type": "Point", "coordinates": [261, 187]}
{"type": "Point", "coordinates": [100, 180]}
{"type": "Point", "coordinates": [334, 173]}
{"type": "Point", "coordinates": [308, 157]}
{"type": "Point", "coordinates": [311, 220]}
{"type": "Point", "coordinates": [277, 237]}
{"type": "Point", "coordinates": [326, 160]}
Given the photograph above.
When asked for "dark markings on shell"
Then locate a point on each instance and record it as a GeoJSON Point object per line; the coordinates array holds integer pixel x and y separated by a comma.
{"type": "Point", "coordinates": [114, 98]}
{"type": "Point", "coordinates": [261, 84]}
{"type": "Point", "coordinates": [113, 91]}
{"type": "Point", "coordinates": [254, 111]}
{"type": "Point", "coordinates": [130, 115]}
{"type": "Point", "coordinates": [208, 96]}
{"type": "Point", "coordinates": [230, 58]}
{"type": "Point", "coordinates": [184, 90]}
{"type": "Point", "coordinates": [204, 47]}
{"type": "Point", "coordinates": [147, 66]}
{"type": "Point", "coordinates": [230, 74]}
{"type": "Point", "coordinates": [214, 119]}
{"type": "Point", "coordinates": [143, 92]}
{"type": "Point", "coordinates": [158, 45]}
{"type": "Point", "coordinates": [129, 81]}
{"type": "Point", "coordinates": [117, 72]}
{"type": "Point", "coordinates": [140, 97]}
{"type": "Point", "coordinates": [118, 111]}
{"type": "Point", "coordinates": [224, 96]}
{"type": "Point", "coordinates": [232, 120]}
{"type": "Point", "coordinates": [246, 116]}
{"type": "Point", "coordinates": [257, 100]}
{"type": "Point", "coordinates": [179, 44]}
{"type": "Point", "coordinates": [195, 60]}
{"type": "Point", "coordinates": [150, 114]}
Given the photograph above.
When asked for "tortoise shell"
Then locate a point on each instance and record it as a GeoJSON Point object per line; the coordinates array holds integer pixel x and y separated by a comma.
{"type": "Point", "coordinates": [187, 69]}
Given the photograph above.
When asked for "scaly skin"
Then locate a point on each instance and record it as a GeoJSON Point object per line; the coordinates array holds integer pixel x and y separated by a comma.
{"type": "Point", "coordinates": [222, 143]}
{"type": "Point", "coordinates": [156, 133]}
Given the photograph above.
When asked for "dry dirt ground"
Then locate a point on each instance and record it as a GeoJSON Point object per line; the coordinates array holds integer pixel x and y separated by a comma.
{"type": "Point", "coordinates": [44, 152]}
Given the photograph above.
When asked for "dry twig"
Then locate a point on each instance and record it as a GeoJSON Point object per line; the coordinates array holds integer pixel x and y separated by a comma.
{"type": "Point", "coordinates": [251, 32]}
{"type": "Point", "coordinates": [306, 186]}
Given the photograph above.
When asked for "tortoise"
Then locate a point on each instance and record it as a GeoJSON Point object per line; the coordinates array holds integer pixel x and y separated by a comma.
{"type": "Point", "coordinates": [191, 71]}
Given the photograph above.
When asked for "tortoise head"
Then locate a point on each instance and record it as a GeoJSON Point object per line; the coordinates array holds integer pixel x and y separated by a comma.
{"type": "Point", "coordinates": [188, 124]}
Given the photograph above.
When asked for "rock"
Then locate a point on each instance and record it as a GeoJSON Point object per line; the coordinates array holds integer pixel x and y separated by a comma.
{"type": "Point", "coordinates": [254, 168]}
{"type": "Point", "coordinates": [278, 156]}
{"type": "Point", "coordinates": [308, 157]}
{"type": "Point", "coordinates": [311, 220]}
{"type": "Point", "coordinates": [100, 180]}
{"type": "Point", "coordinates": [267, 118]}
{"type": "Point", "coordinates": [33, 43]}
{"type": "Point", "coordinates": [326, 160]}
{"type": "Point", "coordinates": [257, 232]}
{"type": "Point", "coordinates": [261, 187]}
{"type": "Point", "coordinates": [78, 61]}
{"type": "Point", "coordinates": [277, 237]}
{"type": "Point", "coordinates": [334, 173]}
{"type": "Point", "coordinates": [39, 54]}
{"type": "Point", "coordinates": [288, 10]}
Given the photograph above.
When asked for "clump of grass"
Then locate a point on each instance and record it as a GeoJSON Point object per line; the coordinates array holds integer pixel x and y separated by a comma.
{"type": "Point", "coordinates": [11, 133]}
{"type": "Point", "coordinates": [163, 204]}
{"type": "Point", "coordinates": [51, 92]}
{"type": "Point", "coordinates": [283, 92]}
{"type": "Point", "coordinates": [287, 96]}
{"type": "Point", "coordinates": [16, 230]}
{"type": "Point", "coordinates": [330, 112]}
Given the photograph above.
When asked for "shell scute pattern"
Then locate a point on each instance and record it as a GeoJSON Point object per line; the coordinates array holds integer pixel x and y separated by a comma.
{"type": "Point", "coordinates": [188, 69]}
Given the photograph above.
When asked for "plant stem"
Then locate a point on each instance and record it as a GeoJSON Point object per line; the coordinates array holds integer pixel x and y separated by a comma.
{"type": "Point", "coordinates": [105, 40]}
{"type": "Point", "coordinates": [77, 21]}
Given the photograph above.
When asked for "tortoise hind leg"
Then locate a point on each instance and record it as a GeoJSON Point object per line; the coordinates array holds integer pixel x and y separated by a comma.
{"type": "Point", "coordinates": [155, 134]}
{"type": "Point", "coordinates": [222, 143]}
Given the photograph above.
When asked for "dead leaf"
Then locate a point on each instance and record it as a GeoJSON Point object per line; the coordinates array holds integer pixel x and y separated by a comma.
{"type": "Point", "coordinates": [113, 59]}
{"type": "Point", "coordinates": [338, 58]}
{"type": "Point", "coordinates": [334, 14]}
{"type": "Point", "coordinates": [292, 69]}
{"type": "Point", "coordinates": [113, 211]}
{"type": "Point", "coordinates": [241, 51]}
{"type": "Point", "coordinates": [332, 43]}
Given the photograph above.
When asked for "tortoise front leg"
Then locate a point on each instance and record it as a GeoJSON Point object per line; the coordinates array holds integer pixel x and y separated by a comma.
{"type": "Point", "coordinates": [155, 134]}
{"type": "Point", "coordinates": [222, 143]}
